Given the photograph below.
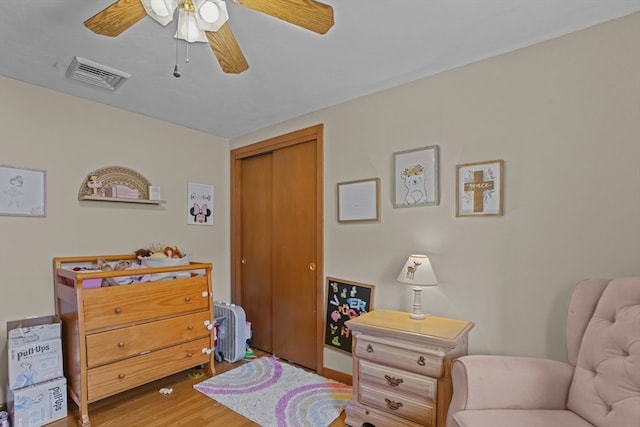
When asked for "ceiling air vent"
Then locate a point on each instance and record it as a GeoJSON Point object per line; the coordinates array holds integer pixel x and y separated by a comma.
{"type": "Point", "coordinates": [96, 74]}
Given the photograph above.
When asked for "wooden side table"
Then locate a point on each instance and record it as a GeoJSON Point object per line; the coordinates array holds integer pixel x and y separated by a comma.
{"type": "Point", "coordinates": [402, 368]}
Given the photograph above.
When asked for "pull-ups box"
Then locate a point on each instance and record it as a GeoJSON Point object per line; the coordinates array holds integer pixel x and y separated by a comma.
{"type": "Point", "coordinates": [35, 351]}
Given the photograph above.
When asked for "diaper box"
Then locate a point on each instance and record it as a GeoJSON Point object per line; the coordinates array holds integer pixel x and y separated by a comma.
{"type": "Point", "coordinates": [122, 191]}
{"type": "Point", "coordinates": [39, 404]}
{"type": "Point", "coordinates": [34, 350]}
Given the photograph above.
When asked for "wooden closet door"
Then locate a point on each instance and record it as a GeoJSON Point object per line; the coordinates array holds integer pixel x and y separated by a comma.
{"type": "Point", "coordinates": [294, 258]}
{"type": "Point", "coordinates": [276, 243]}
{"type": "Point", "coordinates": [256, 226]}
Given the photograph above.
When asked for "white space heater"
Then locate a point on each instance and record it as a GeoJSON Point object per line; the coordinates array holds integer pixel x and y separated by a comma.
{"type": "Point", "coordinates": [232, 331]}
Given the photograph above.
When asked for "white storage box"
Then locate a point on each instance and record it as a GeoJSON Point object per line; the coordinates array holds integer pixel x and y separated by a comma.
{"type": "Point", "coordinates": [34, 350]}
{"type": "Point", "coordinates": [38, 404]}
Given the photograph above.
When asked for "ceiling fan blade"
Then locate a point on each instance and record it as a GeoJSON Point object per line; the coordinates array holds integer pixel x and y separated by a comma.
{"type": "Point", "coordinates": [309, 14]}
{"type": "Point", "coordinates": [116, 18]}
{"type": "Point", "coordinates": [226, 48]}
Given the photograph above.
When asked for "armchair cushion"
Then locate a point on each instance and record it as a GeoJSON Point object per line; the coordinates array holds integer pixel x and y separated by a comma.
{"type": "Point", "coordinates": [518, 418]}
{"type": "Point", "coordinates": [505, 382]}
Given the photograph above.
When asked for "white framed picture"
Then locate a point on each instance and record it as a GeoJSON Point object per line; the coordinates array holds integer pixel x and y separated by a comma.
{"type": "Point", "coordinates": [22, 192]}
{"type": "Point", "coordinates": [199, 204]}
{"type": "Point", "coordinates": [359, 200]}
{"type": "Point", "coordinates": [479, 188]}
{"type": "Point", "coordinates": [416, 177]}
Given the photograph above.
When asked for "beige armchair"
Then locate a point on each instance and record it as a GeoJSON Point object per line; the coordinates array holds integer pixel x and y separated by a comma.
{"type": "Point", "coordinates": [598, 386]}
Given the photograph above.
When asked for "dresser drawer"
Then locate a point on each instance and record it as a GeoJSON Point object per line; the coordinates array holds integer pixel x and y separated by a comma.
{"type": "Point", "coordinates": [117, 305]}
{"type": "Point", "coordinates": [387, 379]}
{"type": "Point", "coordinates": [398, 404]}
{"type": "Point", "coordinates": [119, 376]}
{"type": "Point", "coordinates": [423, 363]}
{"type": "Point", "coordinates": [117, 344]}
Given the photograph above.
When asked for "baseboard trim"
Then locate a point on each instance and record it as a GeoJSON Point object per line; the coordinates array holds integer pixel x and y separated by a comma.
{"type": "Point", "coordinates": [337, 376]}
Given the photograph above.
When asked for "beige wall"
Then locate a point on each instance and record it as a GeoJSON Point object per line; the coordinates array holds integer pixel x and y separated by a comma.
{"type": "Point", "coordinates": [565, 117]}
{"type": "Point", "coordinates": [69, 137]}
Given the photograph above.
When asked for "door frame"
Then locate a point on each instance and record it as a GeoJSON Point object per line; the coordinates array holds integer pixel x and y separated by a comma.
{"type": "Point", "coordinates": [310, 134]}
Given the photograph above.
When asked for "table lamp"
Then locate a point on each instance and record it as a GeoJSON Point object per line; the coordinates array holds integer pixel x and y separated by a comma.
{"type": "Point", "coordinates": [417, 271]}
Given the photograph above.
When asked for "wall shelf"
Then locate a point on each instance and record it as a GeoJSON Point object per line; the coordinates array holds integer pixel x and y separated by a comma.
{"type": "Point", "coordinates": [93, 187]}
{"type": "Point", "coordinates": [117, 199]}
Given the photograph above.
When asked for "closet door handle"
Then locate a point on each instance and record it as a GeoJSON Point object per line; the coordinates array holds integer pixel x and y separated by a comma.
{"type": "Point", "coordinates": [312, 266]}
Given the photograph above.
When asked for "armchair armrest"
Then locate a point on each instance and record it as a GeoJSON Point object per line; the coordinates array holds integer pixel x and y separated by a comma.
{"type": "Point", "coordinates": [505, 382]}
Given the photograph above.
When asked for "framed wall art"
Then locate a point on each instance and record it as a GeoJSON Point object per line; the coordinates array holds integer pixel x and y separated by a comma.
{"type": "Point", "coordinates": [199, 204]}
{"type": "Point", "coordinates": [22, 192]}
{"type": "Point", "coordinates": [416, 177]}
{"type": "Point", "coordinates": [359, 200]}
{"type": "Point", "coordinates": [479, 188]}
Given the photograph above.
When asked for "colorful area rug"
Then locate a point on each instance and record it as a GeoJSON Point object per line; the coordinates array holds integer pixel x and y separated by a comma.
{"type": "Point", "coordinates": [275, 394]}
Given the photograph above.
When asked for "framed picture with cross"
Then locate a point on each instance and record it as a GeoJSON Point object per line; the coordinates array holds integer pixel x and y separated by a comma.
{"type": "Point", "coordinates": [479, 188]}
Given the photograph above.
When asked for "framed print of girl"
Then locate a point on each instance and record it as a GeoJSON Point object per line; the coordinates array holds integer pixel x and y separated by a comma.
{"type": "Point", "coordinates": [22, 192]}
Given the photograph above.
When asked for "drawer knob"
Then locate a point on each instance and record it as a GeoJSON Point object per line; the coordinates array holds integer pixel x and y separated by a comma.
{"type": "Point", "coordinates": [189, 354]}
{"type": "Point", "coordinates": [392, 381]}
{"type": "Point", "coordinates": [187, 299]}
{"type": "Point", "coordinates": [190, 327]}
{"type": "Point", "coordinates": [121, 376]}
{"type": "Point", "coordinates": [118, 310]}
{"type": "Point", "coordinates": [393, 405]}
{"type": "Point", "coordinates": [121, 344]}
{"type": "Point", "coordinates": [421, 361]}
{"type": "Point", "coordinates": [369, 348]}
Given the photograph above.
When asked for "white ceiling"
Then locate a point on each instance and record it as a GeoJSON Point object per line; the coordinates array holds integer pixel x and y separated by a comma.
{"type": "Point", "coordinates": [374, 45]}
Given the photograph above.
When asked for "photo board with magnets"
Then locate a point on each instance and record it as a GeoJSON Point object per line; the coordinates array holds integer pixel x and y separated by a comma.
{"type": "Point", "coordinates": [345, 300]}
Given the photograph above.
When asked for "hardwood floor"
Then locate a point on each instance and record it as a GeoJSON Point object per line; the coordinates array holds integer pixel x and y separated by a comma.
{"type": "Point", "coordinates": [146, 407]}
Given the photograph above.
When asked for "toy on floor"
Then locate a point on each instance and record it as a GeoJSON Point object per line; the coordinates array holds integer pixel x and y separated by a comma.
{"type": "Point", "coordinates": [249, 353]}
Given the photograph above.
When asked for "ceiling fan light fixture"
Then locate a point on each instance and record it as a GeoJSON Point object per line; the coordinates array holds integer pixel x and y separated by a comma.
{"type": "Point", "coordinates": [160, 10]}
{"type": "Point", "coordinates": [188, 28]}
{"type": "Point", "coordinates": [211, 14]}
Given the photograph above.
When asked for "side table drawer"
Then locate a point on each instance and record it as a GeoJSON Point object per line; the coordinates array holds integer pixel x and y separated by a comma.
{"type": "Point", "coordinates": [117, 344]}
{"type": "Point", "coordinates": [399, 405]}
{"type": "Point", "coordinates": [423, 363]}
{"type": "Point", "coordinates": [387, 379]}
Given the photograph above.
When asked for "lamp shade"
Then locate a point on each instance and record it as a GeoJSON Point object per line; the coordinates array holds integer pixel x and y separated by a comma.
{"type": "Point", "coordinates": [160, 10]}
{"type": "Point", "coordinates": [417, 271]}
{"type": "Point", "coordinates": [211, 14]}
{"type": "Point", "coordinates": [188, 28]}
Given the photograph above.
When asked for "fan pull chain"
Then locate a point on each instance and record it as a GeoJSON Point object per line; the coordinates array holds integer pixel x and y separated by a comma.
{"type": "Point", "coordinates": [176, 72]}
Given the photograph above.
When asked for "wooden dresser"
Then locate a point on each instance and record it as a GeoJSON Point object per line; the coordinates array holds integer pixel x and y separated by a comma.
{"type": "Point", "coordinates": [402, 368]}
{"type": "Point", "coordinates": [119, 337]}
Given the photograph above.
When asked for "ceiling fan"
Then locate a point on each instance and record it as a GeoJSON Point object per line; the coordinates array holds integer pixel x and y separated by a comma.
{"type": "Point", "coordinates": [206, 21]}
